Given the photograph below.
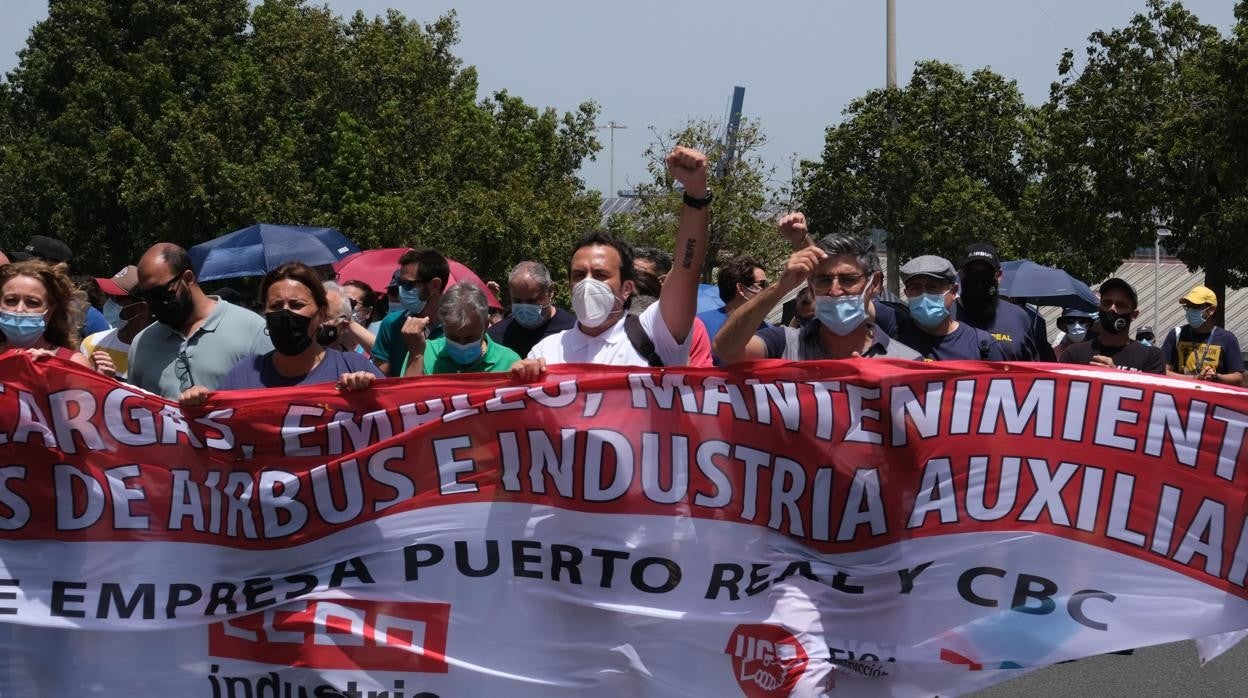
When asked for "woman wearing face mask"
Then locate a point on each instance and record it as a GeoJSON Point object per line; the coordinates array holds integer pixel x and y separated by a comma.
{"type": "Point", "coordinates": [36, 302]}
{"type": "Point", "coordinates": [1077, 326]}
{"type": "Point", "coordinates": [295, 307]}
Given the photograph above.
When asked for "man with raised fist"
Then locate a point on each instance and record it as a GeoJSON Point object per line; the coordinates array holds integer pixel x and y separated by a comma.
{"type": "Point", "coordinates": [601, 277]}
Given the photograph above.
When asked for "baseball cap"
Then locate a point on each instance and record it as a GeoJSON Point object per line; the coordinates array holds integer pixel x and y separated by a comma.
{"type": "Point", "coordinates": [1074, 313]}
{"type": "Point", "coordinates": [981, 252]}
{"type": "Point", "coordinates": [1118, 283]}
{"type": "Point", "coordinates": [44, 247]}
{"type": "Point", "coordinates": [1147, 329]}
{"type": "Point", "coordinates": [1201, 295]}
{"type": "Point", "coordinates": [929, 265]}
{"type": "Point", "coordinates": [122, 283]}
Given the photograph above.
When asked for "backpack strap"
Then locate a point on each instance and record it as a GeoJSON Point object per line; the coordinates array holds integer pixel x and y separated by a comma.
{"type": "Point", "coordinates": [641, 341]}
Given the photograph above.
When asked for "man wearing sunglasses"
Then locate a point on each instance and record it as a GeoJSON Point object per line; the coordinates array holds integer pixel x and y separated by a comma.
{"type": "Point", "coordinates": [127, 315]}
{"type": "Point", "coordinates": [196, 338]}
{"type": "Point", "coordinates": [418, 286]}
{"type": "Point", "coordinates": [739, 279]}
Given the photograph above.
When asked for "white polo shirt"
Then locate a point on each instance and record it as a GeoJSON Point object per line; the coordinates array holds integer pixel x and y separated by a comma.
{"type": "Point", "coordinates": [612, 348]}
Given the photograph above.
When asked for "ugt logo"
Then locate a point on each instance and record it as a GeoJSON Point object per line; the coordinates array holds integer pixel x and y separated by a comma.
{"type": "Point", "coordinates": [339, 634]}
{"type": "Point", "coordinates": [767, 660]}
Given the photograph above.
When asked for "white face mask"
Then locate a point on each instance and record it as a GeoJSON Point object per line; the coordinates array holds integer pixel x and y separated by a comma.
{"type": "Point", "coordinates": [593, 302]}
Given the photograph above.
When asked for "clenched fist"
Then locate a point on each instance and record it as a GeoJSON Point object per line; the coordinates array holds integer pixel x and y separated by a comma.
{"type": "Point", "coordinates": [688, 166]}
{"type": "Point", "coordinates": [792, 227]}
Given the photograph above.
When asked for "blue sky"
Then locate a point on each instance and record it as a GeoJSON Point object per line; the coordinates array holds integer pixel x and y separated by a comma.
{"type": "Point", "coordinates": [658, 63]}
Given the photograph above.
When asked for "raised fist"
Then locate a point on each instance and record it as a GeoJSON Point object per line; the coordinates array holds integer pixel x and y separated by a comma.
{"type": "Point", "coordinates": [688, 166]}
{"type": "Point", "coordinates": [414, 331]}
{"type": "Point", "coordinates": [800, 266]}
{"type": "Point", "coordinates": [792, 227]}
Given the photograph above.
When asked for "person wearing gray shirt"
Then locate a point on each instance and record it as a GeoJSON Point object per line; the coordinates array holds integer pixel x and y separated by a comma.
{"type": "Point", "coordinates": [843, 273]}
{"type": "Point", "coordinates": [196, 338]}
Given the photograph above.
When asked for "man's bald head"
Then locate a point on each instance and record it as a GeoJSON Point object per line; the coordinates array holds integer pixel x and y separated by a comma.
{"type": "Point", "coordinates": [162, 262]}
{"type": "Point", "coordinates": [4, 258]}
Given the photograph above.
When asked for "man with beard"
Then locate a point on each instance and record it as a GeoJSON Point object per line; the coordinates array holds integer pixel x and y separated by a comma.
{"type": "Point", "coordinates": [1022, 335]}
{"type": "Point", "coordinates": [1112, 346]}
{"type": "Point", "coordinates": [196, 338]}
{"type": "Point", "coordinates": [601, 274]}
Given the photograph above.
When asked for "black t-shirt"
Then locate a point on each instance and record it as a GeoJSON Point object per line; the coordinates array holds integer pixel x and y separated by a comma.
{"type": "Point", "coordinates": [521, 339]}
{"type": "Point", "coordinates": [1132, 356]}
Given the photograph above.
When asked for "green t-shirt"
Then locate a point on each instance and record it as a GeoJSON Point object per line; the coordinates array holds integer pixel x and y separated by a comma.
{"type": "Point", "coordinates": [496, 359]}
{"type": "Point", "coordinates": [389, 346]}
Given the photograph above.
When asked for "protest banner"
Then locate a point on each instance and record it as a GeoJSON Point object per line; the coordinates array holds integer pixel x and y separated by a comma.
{"type": "Point", "coordinates": [866, 527]}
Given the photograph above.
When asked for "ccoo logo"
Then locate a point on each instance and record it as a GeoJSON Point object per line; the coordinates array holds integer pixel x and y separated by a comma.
{"type": "Point", "coordinates": [339, 634]}
{"type": "Point", "coordinates": [767, 660]}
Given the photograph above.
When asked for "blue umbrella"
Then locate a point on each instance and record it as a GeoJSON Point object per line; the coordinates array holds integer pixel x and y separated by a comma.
{"type": "Point", "coordinates": [708, 298]}
{"type": "Point", "coordinates": [256, 249]}
{"type": "Point", "coordinates": [1035, 283]}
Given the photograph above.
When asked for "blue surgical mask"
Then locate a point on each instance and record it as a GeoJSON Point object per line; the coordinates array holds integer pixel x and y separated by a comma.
{"type": "Point", "coordinates": [1195, 316]}
{"type": "Point", "coordinates": [463, 354]}
{"type": "Point", "coordinates": [112, 314]}
{"type": "Point", "coordinates": [22, 329]}
{"type": "Point", "coordinates": [527, 314]}
{"type": "Point", "coordinates": [1146, 342]}
{"type": "Point", "coordinates": [841, 314]}
{"type": "Point", "coordinates": [928, 309]}
{"type": "Point", "coordinates": [411, 301]}
{"type": "Point", "coordinates": [1077, 331]}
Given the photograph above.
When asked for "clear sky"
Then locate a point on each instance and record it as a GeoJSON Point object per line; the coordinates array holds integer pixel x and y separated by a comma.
{"type": "Point", "coordinates": [657, 63]}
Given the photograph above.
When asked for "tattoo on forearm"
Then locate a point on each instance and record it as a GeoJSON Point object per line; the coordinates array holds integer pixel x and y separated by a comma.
{"type": "Point", "coordinates": [687, 262]}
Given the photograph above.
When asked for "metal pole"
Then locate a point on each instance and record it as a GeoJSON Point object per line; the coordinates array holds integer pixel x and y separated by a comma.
{"type": "Point", "coordinates": [1156, 281]}
{"type": "Point", "coordinates": [612, 126]}
{"type": "Point", "coordinates": [890, 80]}
{"type": "Point", "coordinates": [891, 67]}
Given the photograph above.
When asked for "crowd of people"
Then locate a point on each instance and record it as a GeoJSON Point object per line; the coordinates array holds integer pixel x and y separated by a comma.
{"type": "Point", "coordinates": [158, 330]}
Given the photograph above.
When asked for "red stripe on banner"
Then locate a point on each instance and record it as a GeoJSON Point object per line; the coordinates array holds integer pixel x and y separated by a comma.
{"type": "Point", "coordinates": [842, 456]}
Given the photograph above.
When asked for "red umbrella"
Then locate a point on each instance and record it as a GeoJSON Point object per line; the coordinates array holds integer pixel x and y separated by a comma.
{"type": "Point", "coordinates": [376, 268]}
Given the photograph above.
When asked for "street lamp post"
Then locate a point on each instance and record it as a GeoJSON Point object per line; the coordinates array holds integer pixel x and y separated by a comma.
{"type": "Point", "coordinates": [1161, 232]}
{"type": "Point", "coordinates": [612, 126]}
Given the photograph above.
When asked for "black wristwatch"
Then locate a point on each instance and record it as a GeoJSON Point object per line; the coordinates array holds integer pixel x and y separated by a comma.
{"type": "Point", "coordinates": [691, 202]}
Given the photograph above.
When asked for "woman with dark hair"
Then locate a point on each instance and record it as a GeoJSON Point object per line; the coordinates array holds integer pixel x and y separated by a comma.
{"type": "Point", "coordinates": [364, 303]}
{"type": "Point", "coordinates": [295, 307]}
{"type": "Point", "coordinates": [39, 309]}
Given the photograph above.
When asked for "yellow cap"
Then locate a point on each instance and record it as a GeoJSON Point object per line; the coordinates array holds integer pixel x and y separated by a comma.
{"type": "Point", "coordinates": [1200, 295]}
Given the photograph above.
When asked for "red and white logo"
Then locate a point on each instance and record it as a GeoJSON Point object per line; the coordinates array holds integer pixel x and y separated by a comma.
{"type": "Point", "coordinates": [339, 634]}
{"type": "Point", "coordinates": [767, 660]}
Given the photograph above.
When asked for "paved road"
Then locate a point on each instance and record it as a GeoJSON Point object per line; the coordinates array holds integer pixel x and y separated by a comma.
{"type": "Point", "coordinates": [1164, 670]}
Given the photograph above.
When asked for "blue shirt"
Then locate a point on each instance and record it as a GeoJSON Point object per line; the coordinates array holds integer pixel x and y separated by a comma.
{"type": "Point", "coordinates": [1013, 327]}
{"type": "Point", "coordinates": [258, 372]}
{"type": "Point", "coordinates": [964, 343]}
{"type": "Point", "coordinates": [714, 319]}
{"type": "Point", "coordinates": [94, 322]}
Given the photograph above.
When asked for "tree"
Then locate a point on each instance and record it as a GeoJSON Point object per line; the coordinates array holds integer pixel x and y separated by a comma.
{"type": "Point", "coordinates": [936, 164]}
{"type": "Point", "coordinates": [742, 215]}
{"type": "Point", "coordinates": [213, 118]}
{"type": "Point", "coordinates": [1147, 134]}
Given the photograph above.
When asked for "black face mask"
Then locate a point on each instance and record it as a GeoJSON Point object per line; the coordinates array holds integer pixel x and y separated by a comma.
{"type": "Point", "coordinates": [326, 335]}
{"type": "Point", "coordinates": [1114, 323]}
{"type": "Point", "coordinates": [289, 331]}
{"type": "Point", "coordinates": [979, 291]}
{"type": "Point", "coordinates": [171, 308]}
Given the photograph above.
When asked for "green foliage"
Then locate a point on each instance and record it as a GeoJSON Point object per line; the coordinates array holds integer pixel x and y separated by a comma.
{"type": "Point", "coordinates": [741, 217]}
{"type": "Point", "coordinates": [935, 163]}
{"type": "Point", "coordinates": [1136, 139]}
{"type": "Point", "coordinates": [133, 121]}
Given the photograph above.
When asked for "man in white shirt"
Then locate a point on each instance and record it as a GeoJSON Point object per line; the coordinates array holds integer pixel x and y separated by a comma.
{"type": "Point", "coordinates": [601, 277]}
